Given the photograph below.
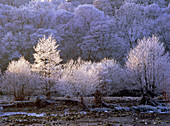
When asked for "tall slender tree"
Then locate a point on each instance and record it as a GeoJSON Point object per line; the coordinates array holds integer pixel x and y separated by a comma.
{"type": "Point", "coordinates": [46, 60]}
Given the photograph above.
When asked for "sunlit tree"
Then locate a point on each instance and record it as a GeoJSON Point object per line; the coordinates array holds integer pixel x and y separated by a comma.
{"type": "Point", "coordinates": [149, 63]}
{"type": "Point", "coordinates": [46, 60]}
{"type": "Point", "coordinates": [18, 79]}
{"type": "Point", "coordinates": [78, 78]}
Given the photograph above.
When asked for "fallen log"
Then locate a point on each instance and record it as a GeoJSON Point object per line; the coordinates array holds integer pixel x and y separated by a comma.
{"type": "Point", "coordinates": [68, 101]}
{"type": "Point", "coordinates": [24, 103]}
{"type": "Point", "coordinates": [18, 104]}
{"type": "Point", "coordinates": [163, 101]}
{"type": "Point", "coordinates": [7, 105]}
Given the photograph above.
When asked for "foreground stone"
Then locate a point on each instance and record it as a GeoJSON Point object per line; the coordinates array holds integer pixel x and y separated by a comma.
{"type": "Point", "coordinates": [140, 108]}
{"type": "Point", "coordinates": [150, 109]}
{"type": "Point", "coordinates": [148, 99]}
{"type": "Point", "coordinates": [41, 102]}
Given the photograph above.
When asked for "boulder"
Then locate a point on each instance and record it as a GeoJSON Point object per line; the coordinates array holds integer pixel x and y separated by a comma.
{"type": "Point", "coordinates": [150, 109]}
{"type": "Point", "coordinates": [103, 109]}
{"type": "Point", "coordinates": [145, 108]}
{"type": "Point", "coordinates": [119, 108]}
{"type": "Point", "coordinates": [41, 102]}
{"type": "Point", "coordinates": [148, 99]}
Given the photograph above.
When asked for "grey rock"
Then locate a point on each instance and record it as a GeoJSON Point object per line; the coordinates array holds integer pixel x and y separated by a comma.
{"type": "Point", "coordinates": [150, 109]}
{"type": "Point", "coordinates": [41, 102]}
{"type": "Point", "coordinates": [107, 110]}
{"type": "Point", "coordinates": [119, 108]}
{"type": "Point", "coordinates": [162, 109]}
{"type": "Point", "coordinates": [145, 108]}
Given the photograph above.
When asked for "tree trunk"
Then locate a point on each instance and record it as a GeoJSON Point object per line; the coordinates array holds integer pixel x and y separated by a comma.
{"type": "Point", "coordinates": [98, 98]}
{"type": "Point", "coordinates": [82, 105]}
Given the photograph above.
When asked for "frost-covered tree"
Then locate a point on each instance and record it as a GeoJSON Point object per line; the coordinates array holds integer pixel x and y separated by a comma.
{"type": "Point", "coordinates": [61, 18]}
{"type": "Point", "coordinates": [83, 78]}
{"type": "Point", "coordinates": [18, 79]}
{"type": "Point", "coordinates": [16, 3]}
{"type": "Point", "coordinates": [1, 87]}
{"type": "Point", "coordinates": [104, 5]}
{"type": "Point", "coordinates": [46, 60]}
{"type": "Point", "coordinates": [23, 26]}
{"type": "Point", "coordinates": [149, 64]}
{"type": "Point", "coordinates": [87, 16]}
{"type": "Point", "coordinates": [101, 43]}
{"type": "Point", "coordinates": [16, 44]}
{"type": "Point", "coordinates": [161, 28]}
{"type": "Point", "coordinates": [112, 76]}
{"type": "Point", "coordinates": [42, 13]}
{"type": "Point", "coordinates": [116, 3]}
{"type": "Point", "coordinates": [4, 15]}
{"type": "Point", "coordinates": [39, 0]}
{"type": "Point", "coordinates": [80, 2]}
{"type": "Point", "coordinates": [153, 11]}
{"type": "Point", "coordinates": [19, 19]}
{"type": "Point", "coordinates": [4, 12]}
{"type": "Point", "coordinates": [91, 35]}
{"type": "Point", "coordinates": [131, 23]}
{"type": "Point", "coordinates": [78, 78]}
{"type": "Point", "coordinates": [68, 6]}
{"type": "Point", "coordinates": [161, 3]}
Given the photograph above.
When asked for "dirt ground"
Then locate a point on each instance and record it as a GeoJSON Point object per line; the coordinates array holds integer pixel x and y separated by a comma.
{"type": "Point", "coordinates": [64, 114]}
{"type": "Point", "coordinates": [88, 119]}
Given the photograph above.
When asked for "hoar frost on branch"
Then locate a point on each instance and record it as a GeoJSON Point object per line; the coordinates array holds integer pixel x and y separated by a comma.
{"type": "Point", "coordinates": [18, 79]}
{"type": "Point", "coordinates": [149, 64]}
{"type": "Point", "coordinates": [78, 78]}
{"type": "Point", "coordinates": [112, 76]}
{"type": "Point", "coordinates": [46, 60]}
